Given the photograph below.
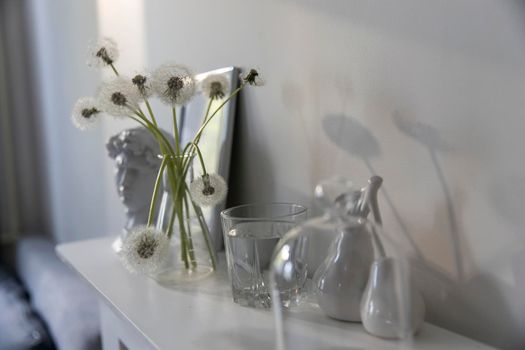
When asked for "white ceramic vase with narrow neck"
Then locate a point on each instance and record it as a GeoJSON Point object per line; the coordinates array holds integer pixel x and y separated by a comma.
{"type": "Point", "coordinates": [341, 279]}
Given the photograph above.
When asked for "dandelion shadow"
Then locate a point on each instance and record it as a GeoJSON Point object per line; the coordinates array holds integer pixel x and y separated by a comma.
{"type": "Point", "coordinates": [249, 160]}
{"type": "Point", "coordinates": [506, 193]}
{"type": "Point", "coordinates": [354, 138]}
{"type": "Point", "coordinates": [464, 298]}
{"type": "Point", "coordinates": [351, 136]}
{"type": "Point", "coordinates": [429, 137]}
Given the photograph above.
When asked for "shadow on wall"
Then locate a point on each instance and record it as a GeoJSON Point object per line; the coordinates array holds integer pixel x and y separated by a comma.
{"type": "Point", "coordinates": [475, 306]}
{"type": "Point", "coordinates": [294, 101]}
{"type": "Point", "coordinates": [465, 304]}
{"type": "Point", "coordinates": [354, 138]}
{"type": "Point", "coordinates": [429, 137]}
{"type": "Point", "coordinates": [506, 194]}
{"type": "Point", "coordinates": [247, 147]}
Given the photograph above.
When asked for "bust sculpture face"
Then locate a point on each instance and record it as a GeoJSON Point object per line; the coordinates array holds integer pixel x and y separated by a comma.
{"type": "Point", "coordinates": [134, 181]}
{"type": "Point", "coordinates": [135, 153]}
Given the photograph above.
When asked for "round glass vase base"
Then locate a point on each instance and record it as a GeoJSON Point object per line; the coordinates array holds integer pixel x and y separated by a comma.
{"type": "Point", "coordinates": [182, 275]}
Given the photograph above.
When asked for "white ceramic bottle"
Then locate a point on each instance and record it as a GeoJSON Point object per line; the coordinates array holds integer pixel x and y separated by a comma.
{"type": "Point", "coordinates": [341, 279]}
{"type": "Point", "coordinates": [383, 312]}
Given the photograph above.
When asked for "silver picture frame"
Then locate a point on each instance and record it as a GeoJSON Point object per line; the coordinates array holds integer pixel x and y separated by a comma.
{"type": "Point", "coordinates": [216, 142]}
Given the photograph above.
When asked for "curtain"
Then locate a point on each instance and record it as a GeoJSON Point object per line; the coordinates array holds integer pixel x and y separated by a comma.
{"type": "Point", "coordinates": [20, 178]}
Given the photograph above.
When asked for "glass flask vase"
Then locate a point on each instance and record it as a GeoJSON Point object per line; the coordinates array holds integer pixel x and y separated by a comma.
{"type": "Point", "coordinates": [192, 255]}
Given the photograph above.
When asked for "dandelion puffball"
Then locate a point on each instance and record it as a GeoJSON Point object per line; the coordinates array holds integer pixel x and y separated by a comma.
{"type": "Point", "coordinates": [208, 190]}
{"type": "Point", "coordinates": [173, 84]}
{"type": "Point", "coordinates": [252, 77]}
{"type": "Point", "coordinates": [145, 250]}
{"type": "Point", "coordinates": [142, 82]}
{"type": "Point", "coordinates": [85, 113]}
{"type": "Point", "coordinates": [118, 96]}
{"type": "Point", "coordinates": [215, 86]}
{"type": "Point", "coordinates": [102, 53]}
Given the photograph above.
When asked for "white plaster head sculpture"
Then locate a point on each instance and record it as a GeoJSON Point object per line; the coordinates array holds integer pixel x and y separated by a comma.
{"type": "Point", "coordinates": [135, 152]}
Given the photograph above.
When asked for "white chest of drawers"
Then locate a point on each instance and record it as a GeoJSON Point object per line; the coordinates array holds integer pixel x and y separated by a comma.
{"type": "Point", "coordinates": [138, 313]}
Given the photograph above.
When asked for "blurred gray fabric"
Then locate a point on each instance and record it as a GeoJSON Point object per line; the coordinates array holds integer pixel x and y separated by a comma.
{"type": "Point", "coordinates": [20, 328]}
{"type": "Point", "coordinates": [64, 301]}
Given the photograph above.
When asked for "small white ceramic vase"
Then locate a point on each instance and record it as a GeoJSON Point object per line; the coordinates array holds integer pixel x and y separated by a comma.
{"type": "Point", "coordinates": [341, 279]}
{"type": "Point", "coordinates": [380, 312]}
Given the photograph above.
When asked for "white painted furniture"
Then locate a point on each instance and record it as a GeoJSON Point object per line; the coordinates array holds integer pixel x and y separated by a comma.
{"type": "Point", "coordinates": [138, 313]}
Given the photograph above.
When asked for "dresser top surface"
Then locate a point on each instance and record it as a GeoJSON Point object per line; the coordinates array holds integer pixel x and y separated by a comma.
{"type": "Point", "coordinates": [202, 315]}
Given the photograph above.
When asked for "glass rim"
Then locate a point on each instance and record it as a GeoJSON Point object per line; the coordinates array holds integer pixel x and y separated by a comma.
{"type": "Point", "coordinates": [169, 156]}
{"type": "Point", "coordinates": [226, 213]}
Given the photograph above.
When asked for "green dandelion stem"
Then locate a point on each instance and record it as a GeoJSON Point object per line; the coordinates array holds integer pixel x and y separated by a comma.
{"type": "Point", "coordinates": [176, 130]}
{"type": "Point", "coordinates": [157, 133]}
{"type": "Point", "coordinates": [207, 110]}
{"type": "Point", "coordinates": [114, 69]}
{"type": "Point", "coordinates": [191, 251]}
{"type": "Point", "coordinates": [150, 111]}
{"type": "Point", "coordinates": [206, 234]}
{"type": "Point", "coordinates": [201, 129]}
{"type": "Point", "coordinates": [190, 156]}
{"type": "Point", "coordinates": [183, 237]}
{"type": "Point", "coordinates": [156, 191]}
{"type": "Point", "coordinates": [207, 121]}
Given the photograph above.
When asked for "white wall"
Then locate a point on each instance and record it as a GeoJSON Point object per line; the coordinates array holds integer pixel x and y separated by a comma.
{"type": "Point", "coordinates": [79, 172]}
{"type": "Point", "coordinates": [427, 94]}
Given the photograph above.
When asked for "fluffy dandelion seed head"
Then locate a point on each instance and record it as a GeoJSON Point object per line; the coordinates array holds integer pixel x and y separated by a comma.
{"type": "Point", "coordinates": [208, 190]}
{"type": "Point", "coordinates": [145, 250]}
{"type": "Point", "coordinates": [102, 53]}
{"type": "Point", "coordinates": [139, 80]}
{"type": "Point", "coordinates": [173, 84]}
{"type": "Point", "coordinates": [215, 86]}
{"type": "Point", "coordinates": [142, 82]}
{"type": "Point", "coordinates": [118, 96]}
{"type": "Point", "coordinates": [85, 113]}
{"type": "Point", "coordinates": [89, 112]}
{"type": "Point", "coordinates": [252, 77]}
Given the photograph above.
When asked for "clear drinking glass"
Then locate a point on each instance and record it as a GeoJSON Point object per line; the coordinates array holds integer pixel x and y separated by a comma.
{"type": "Point", "coordinates": [251, 233]}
